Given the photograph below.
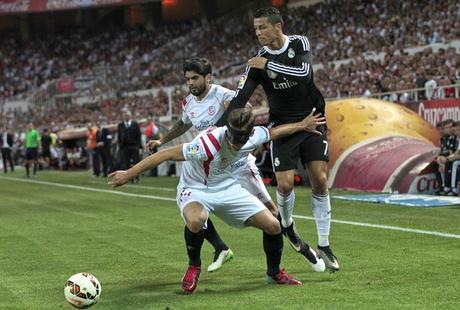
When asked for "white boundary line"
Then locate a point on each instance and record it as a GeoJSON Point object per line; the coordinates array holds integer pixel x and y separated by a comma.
{"type": "Point", "coordinates": [412, 230]}
{"type": "Point", "coordinates": [396, 228]}
{"type": "Point", "coordinates": [88, 188]}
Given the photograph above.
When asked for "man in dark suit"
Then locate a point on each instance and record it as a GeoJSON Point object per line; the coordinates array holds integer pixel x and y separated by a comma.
{"type": "Point", "coordinates": [104, 141]}
{"type": "Point", "coordinates": [129, 142]}
{"type": "Point", "coordinates": [6, 143]}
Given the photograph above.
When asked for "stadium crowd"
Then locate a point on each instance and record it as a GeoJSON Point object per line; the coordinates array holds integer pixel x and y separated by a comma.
{"type": "Point", "coordinates": [133, 59]}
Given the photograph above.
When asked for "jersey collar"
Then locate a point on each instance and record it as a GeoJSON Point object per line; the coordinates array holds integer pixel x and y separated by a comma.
{"type": "Point", "coordinates": [211, 88]}
{"type": "Point", "coordinates": [281, 50]}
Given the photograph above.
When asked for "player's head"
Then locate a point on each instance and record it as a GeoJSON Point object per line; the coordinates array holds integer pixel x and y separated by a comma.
{"type": "Point", "coordinates": [448, 127]}
{"type": "Point", "coordinates": [240, 126]}
{"type": "Point", "coordinates": [30, 126]}
{"type": "Point", "coordinates": [126, 116]}
{"type": "Point", "coordinates": [457, 129]}
{"type": "Point", "coordinates": [197, 71]}
{"type": "Point", "coordinates": [268, 25]}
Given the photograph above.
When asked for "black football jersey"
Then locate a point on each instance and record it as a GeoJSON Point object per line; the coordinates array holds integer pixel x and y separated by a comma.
{"type": "Point", "coordinates": [287, 81]}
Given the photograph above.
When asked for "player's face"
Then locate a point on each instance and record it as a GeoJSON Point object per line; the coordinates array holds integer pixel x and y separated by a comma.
{"type": "Point", "coordinates": [196, 83]}
{"type": "Point", "coordinates": [237, 138]}
{"type": "Point", "coordinates": [266, 32]}
{"type": "Point", "coordinates": [447, 129]}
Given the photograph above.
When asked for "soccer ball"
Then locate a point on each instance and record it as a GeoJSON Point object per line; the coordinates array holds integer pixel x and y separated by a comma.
{"type": "Point", "coordinates": [82, 290]}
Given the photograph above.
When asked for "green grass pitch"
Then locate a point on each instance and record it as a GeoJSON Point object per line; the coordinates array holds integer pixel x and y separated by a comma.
{"type": "Point", "coordinates": [134, 246]}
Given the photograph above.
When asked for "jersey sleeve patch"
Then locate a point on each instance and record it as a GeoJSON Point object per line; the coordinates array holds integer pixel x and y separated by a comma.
{"type": "Point", "coordinates": [194, 151]}
{"type": "Point", "coordinates": [242, 81]}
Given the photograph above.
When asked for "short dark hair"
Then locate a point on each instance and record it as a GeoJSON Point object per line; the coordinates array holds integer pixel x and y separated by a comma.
{"type": "Point", "coordinates": [241, 119]}
{"type": "Point", "coordinates": [272, 14]}
{"type": "Point", "coordinates": [200, 65]}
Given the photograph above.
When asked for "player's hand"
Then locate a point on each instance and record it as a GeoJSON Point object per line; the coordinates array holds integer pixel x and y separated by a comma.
{"type": "Point", "coordinates": [257, 62]}
{"type": "Point", "coordinates": [152, 145]}
{"type": "Point", "coordinates": [312, 121]}
{"type": "Point", "coordinates": [441, 160]}
{"type": "Point", "coordinates": [118, 178]}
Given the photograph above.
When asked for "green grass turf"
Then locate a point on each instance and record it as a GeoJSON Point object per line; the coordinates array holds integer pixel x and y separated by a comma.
{"type": "Point", "coordinates": [135, 248]}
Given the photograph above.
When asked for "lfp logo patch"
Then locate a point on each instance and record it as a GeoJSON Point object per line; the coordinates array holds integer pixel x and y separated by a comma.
{"type": "Point", "coordinates": [193, 149]}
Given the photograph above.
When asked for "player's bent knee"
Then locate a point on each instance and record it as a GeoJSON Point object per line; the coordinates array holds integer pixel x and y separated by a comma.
{"type": "Point", "coordinates": [195, 224]}
{"type": "Point", "coordinates": [195, 217]}
{"type": "Point", "coordinates": [273, 228]}
{"type": "Point", "coordinates": [285, 188]}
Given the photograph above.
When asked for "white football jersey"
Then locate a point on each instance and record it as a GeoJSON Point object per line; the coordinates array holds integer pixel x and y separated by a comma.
{"type": "Point", "coordinates": [205, 113]}
{"type": "Point", "coordinates": [210, 161]}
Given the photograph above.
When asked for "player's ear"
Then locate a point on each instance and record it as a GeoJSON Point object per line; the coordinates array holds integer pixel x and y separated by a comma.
{"type": "Point", "coordinates": [208, 78]}
{"type": "Point", "coordinates": [279, 27]}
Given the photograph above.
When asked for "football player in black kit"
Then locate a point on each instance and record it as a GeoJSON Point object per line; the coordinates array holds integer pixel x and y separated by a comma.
{"type": "Point", "coordinates": [283, 68]}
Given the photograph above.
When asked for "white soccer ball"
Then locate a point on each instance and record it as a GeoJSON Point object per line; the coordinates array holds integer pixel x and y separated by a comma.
{"type": "Point", "coordinates": [82, 290]}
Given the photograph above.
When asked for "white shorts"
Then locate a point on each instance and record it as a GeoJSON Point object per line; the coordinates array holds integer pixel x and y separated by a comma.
{"type": "Point", "coordinates": [250, 179]}
{"type": "Point", "coordinates": [233, 205]}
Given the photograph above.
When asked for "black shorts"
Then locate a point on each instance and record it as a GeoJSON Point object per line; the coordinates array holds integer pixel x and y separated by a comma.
{"type": "Point", "coordinates": [305, 146]}
{"type": "Point", "coordinates": [46, 153]}
{"type": "Point", "coordinates": [31, 153]}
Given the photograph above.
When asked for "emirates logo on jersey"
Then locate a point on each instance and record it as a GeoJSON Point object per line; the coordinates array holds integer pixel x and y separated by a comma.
{"type": "Point", "coordinates": [212, 110]}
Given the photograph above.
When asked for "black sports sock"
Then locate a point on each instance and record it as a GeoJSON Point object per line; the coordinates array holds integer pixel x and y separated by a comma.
{"type": "Point", "coordinates": [273, 248]}
{"type": "Point", "coordinates": [35, 169]}
{"type": "Point", "coordinates": [27, 169]}
{"type": "Point", "coordinates": [210, 234]}
{"type": "Point", "coordinates": [193, 242]}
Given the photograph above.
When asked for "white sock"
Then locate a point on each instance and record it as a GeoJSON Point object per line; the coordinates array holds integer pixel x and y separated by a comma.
{"type": "Point", "coordinates": [321, 207]}
{"type": "Point", "coordinates": [285, 206]}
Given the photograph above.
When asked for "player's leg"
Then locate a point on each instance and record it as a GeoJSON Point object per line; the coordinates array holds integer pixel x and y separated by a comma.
{"type": "Point", "coordinates": [273, 247]}
{"type": "Point", "coordinates": [285, 196]}
{"type": "Point", "coordinates": [321, 207]}
{"type": "Point", "coordinates": [35, 160]}
{"type": "Point", "coordinates": [285, 154]}
{"type": "Point", "coordinates": [222, 253]}
{"type": "Point", "coordinates": [28, 162]}
{"type": "Point", "coordinates": [454, 178]}
{"type": "Point", "coordinates": [252, 182]}
{"type": "Point", "coordinates": [195, 217]}
{"type": "Point", "coordinates": [4, 159]}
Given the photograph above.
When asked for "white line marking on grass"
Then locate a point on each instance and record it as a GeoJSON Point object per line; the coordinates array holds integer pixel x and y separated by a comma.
{"type": "Point", "coordinates": [88, 188]}
{"type": "Point", "coordinates": [166, 189]}
{"type": "Point", "coordinates": [412, 230]}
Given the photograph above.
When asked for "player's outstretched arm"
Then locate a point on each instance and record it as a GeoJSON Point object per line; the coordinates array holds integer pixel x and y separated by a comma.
{"type": "Point", "coordinates": [120, 177]}
{"type": "Point", "coordinates": [177, 130]}
{"type": "Point", "coordinates": [246, 86]}
{"type": "Point", "coordinates": [309, 124]}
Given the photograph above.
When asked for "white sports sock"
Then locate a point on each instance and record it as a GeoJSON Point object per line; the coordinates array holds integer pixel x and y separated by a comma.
{"type": "Point", "coordinates": [285, 206]}
{"type": "Point", "coordinates": [321, 207]}
{"type": "Point", "coordinates": [453, 182]}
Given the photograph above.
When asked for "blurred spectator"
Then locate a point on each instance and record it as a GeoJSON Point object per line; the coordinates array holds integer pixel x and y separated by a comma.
{"type": "Point", "coordinates": [430, 87]}
{"type": "Point", "coordinates": [129, 142]}
{"type": "Point", "coordinates": [455, 159]}
{"type": "Point", "coordinates": [6, 144]}
{"type": "Point", "coordinates": [91, 145]}
{"type": "Point", "coordinates": [152, 132]}
{"type": "Point", "coordinates": [32, 142]}
{"type": "Point", "coordinates": [46, 147]}
{"type": "Point", "coordinates": [441, 167]}
{"type": "Point", "coordinates": [104, 143]}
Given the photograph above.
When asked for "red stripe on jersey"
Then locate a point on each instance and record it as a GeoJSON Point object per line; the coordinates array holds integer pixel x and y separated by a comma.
{"type": "Point", "coordinates": [206, 149]}
{"type": "Point", "coordinates": [210, 158]}
{"type": "Point", "coordinates": [214, 141]}
{"type": "Point", "coordinates": [184, 102]}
